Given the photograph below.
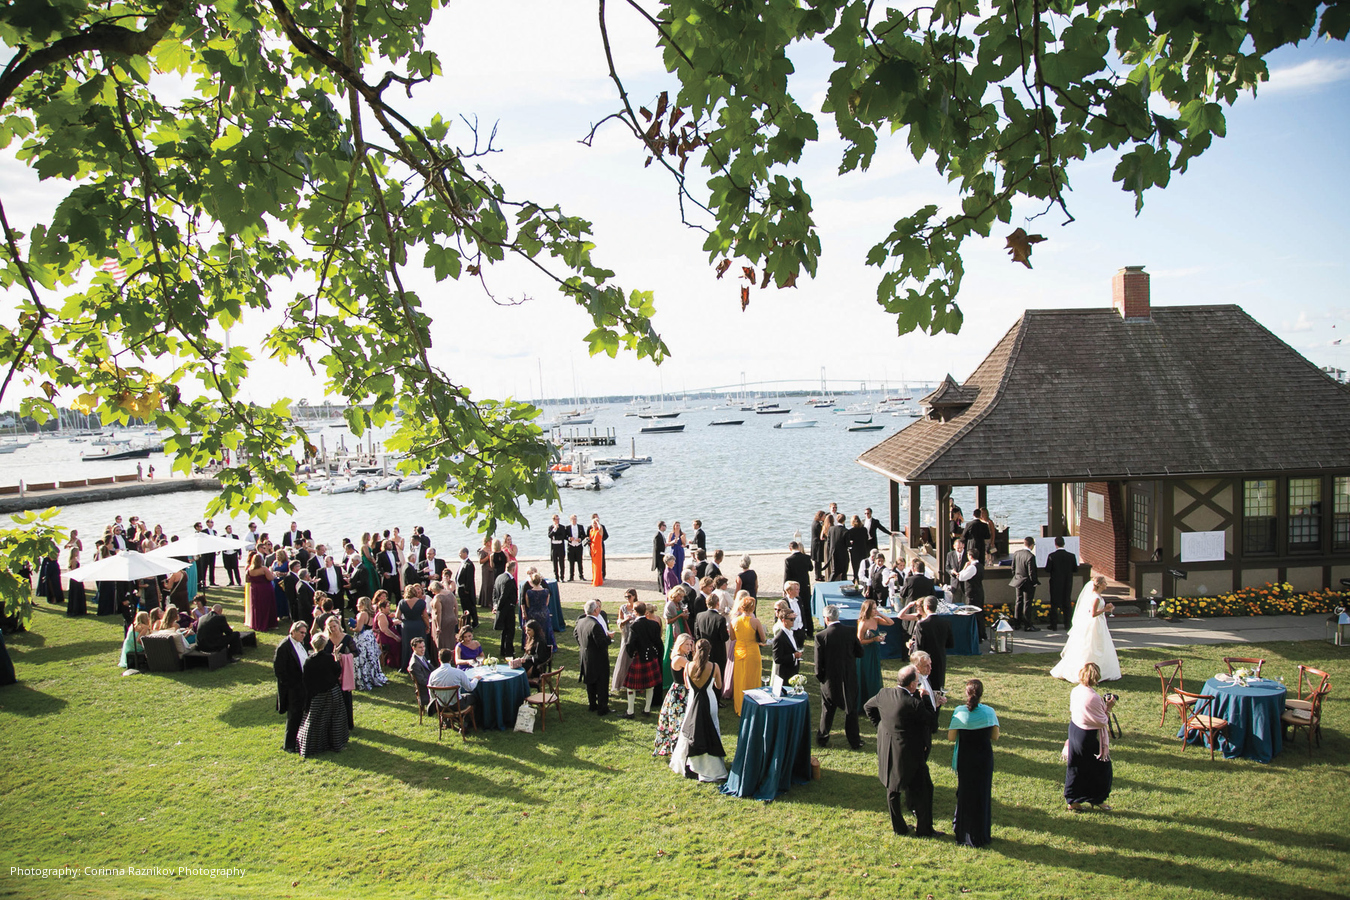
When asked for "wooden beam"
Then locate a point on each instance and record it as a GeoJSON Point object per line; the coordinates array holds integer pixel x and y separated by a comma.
{"type": "Point", "coordinates": [914, 523]}
{"type": "Point", "coordinates": [981, 496]}
{"type": "Point", "coordinates": [895, 505]}
{"type": "Point", "coordinates": [1054, 509]}
{"type": "Point", "coordinates": [944, 526]}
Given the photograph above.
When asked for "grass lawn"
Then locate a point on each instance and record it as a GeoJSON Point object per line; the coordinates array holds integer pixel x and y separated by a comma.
{"type": "Point", "coordinates": [186, 770]}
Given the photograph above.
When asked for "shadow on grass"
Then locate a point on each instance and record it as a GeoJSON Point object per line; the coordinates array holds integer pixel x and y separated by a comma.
{"type": "Point", "coordinates": [1103, 833]}
{"type": "Point", "coordinates": [25, 701]}
{"type": "Point", "coordinates": [39, 655]}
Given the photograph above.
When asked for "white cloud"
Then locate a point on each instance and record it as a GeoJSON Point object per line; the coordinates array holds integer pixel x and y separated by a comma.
{"type": "Point", "coordinates": [1314, 73]}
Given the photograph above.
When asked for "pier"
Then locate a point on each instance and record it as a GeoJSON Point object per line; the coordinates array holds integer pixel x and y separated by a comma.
{"type": "Point", "coordinates": [592, 437]}
{"type": "Point", "coordinates": [42, 495]}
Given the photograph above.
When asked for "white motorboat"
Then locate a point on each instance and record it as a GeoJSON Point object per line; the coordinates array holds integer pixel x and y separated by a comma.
{"type": "Point", "coordinates": [797, 422]}
{"type": "Point", "coordinates": [412, 483]}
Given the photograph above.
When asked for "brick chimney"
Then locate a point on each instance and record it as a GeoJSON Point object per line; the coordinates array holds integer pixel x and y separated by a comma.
{"type": "Point", "coordinates": [1129, 293]}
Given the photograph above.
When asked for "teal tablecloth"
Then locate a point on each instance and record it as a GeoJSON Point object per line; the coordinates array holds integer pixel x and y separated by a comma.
{"type": "Point", "coordinates": [1253, 715]}
{"type": "Point", "coordinates": [555, 607]}
{"type": "Point", "coordinates": [773, 749]}
{"type": "Point", "coordinates": [497, 701]}
{"type": "Point", "coordinates": [965, 632]}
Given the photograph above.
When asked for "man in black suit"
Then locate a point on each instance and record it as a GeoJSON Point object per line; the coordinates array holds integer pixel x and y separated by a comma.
{"type": "Point", "coordinates": [714, 569]}
{"type": "Point", "coordinates": [214, 633]}
{"type": "Point", "coordinates": [797, 568]}
{"type": "Point", "coordinates": [905, 723]}
{"type": "Point", "coordinates": [693, 600]}
{"type": "Point", "coordinates": [698, 540]}
{"type": "Point", "coordinates": [873, 526]}
{"type": "Point", "coordinates": [1061, 566]}
{"type": "Point", "coordinates": [837, 651]}
{"type": "Point", "coordinates": [836, 550]}
{"type": "Point", "coordinates": [977, 535]}
{"type": "Point", "coordinates": [1024, 581]}
{"type": "Point", "coordinates": [230, 559]}
{"type": "Point", "coordinates": [576, 540]}
{"type": "Point", "coordinates": [432, 567]}
{"type": "Point", "coordinates": [505, 595]}
{"type": "Point", "coordinates": [787, 653]}
{"type": "Point", "coordinates": [387, 563]}
{"type": "Point", "coordinates": [305, 595]}
{"type": "Point", "coordinates": [933, 636]}
{"type": "Point", "coordinates": [331, 580]}
{"type": "Point", "coordinates": [293, 537]}
{"type": "Point", "coordinates": [593, 640]}
{"type": "Point", "coordinates": [207, 561]}
{"type": "Point", "coordinates": [954, 563]}
{"type": "Point", "coordinates": [659, 555]}
{"type": "Point", "coordinates": [557, 547]}
{"type": "Point", "coordinates": [465, 592]}
{"type": "Point", "coordinates": [711, 626]}
{"type": "Point", "coordinates": [420, 668]}
{"type": "Point", "coordinates": [918, 586]}
{"type": "Point", "coordinates": [288, 666]}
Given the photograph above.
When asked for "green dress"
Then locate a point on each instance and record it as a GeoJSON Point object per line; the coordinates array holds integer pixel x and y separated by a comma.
{"type": "Point", "coordinates": [869, 669]}
{"type": "Point", "coordinates": [673, 630]}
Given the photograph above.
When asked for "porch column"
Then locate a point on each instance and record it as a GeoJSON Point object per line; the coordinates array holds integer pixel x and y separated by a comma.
{"type": "Point", "coordinates": [895, 505]}
{"type": "Point", "coordinates": [1054, 509]}
{"type": "Point", "coordinates": [943, 537]}
{"type": "Point", "coordinates": [981, 497]}
{"type": "Point", "coordinates": [914, 523]}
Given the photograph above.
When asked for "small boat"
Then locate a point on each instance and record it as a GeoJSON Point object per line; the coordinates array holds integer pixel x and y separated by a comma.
{"type": "Point", "coordinates": [592, 482]}
{"type": "Point", "coordinates": [354, 486]}
{"type": "Point", "coordinates": [140, 453]}
{"type": "Point", "coordinates": [865, 427]}
{"type": "Point", "coordinates": [662, 429]}
{"type": "Point", "coordinates": [772, 412]}
{"type": "Point", "coordinates": [622, 460]}
{"type": "Point", "coordinates": [412, 483]}
{"type": "Point", "coordinates": [8, 448]}
{"type": "Point", "coordinates": [797, 422]}
{"type": "Point", "coordinates": [664, 415]}
{"type": "Point", "coordinates": [727, 422]}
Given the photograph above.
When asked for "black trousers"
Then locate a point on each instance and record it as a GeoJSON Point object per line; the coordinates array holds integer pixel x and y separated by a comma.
{"type": "Point", "coordinates": [231, 565]}
{"type": "Point", "coordinates": [827, 722]}
{"type": "Point", "coordinates": [918, 797]}
{"type": "Point", "coordinates": [597, 694]}
{"type": "Point", "coordinates": [295, 716]}
{"type": "Point", "coordinates": [509, 637]}
{"type": "Point", "coordinates": [1060, 602]}
{"type": "Point", "coordinates": [1025, 611]}
{"type": "Point", "coordinates": [468, 612]}
{"type": "Point", "coordinates": [558, 554]}
{"type": "Point", "coordinates": [574, 564]}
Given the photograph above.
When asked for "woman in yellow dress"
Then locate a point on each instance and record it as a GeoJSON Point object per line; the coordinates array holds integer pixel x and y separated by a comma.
{"type": "Point", "coordinates": [747, 633]}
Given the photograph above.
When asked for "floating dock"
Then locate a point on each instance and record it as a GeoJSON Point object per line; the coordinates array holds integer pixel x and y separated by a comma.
{"type": "Point", "coordinates": [42, 495]}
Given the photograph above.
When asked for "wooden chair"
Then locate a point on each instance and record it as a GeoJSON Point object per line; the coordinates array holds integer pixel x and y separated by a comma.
{"type": "Point", "coordinates": [1196, 721]}
{"type": "Point", "coordinates": [1306, 675]}
{"type": "Point", "coordinates": [448, 711]}
{"type": "Point", "coordinates": [417, 696]}
{"type": "Point", "coordinates": [549, 694]}
{"type": "Point", "coordinates": [1249, 662]}
{"type": "Point", "coordinates": [1306, 714]}
{"type": "Point", "coordinates": [1172, 682]}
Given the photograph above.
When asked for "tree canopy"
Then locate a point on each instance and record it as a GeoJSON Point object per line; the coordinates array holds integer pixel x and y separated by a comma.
{"type": "Point", "coordinates": [216, 160]}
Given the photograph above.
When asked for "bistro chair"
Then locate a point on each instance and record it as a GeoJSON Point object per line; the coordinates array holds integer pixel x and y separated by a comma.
{"type": "Point", "coordinates": [1196, 721]}
{"type": "Point", "coordinates": [549, 694]}
{"type": "Point", "coordinates": [1306, 714]}
{"type": "Point", "coordinates": [1171, 681]}
{"type": "Point", "coordinates": [1306, 676]}
{"type": "Point", "coordinates": [417, 696]}
{"type": "Point", "coordinates": [450, 713]}
{"type": "Point", "coordinates": [1244, 661]}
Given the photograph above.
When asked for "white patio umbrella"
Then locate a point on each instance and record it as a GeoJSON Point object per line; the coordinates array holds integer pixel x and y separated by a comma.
{"type": "Point", "coordinates": [126, 566]}
{"type": "Point", "coordinates": [195, 544]}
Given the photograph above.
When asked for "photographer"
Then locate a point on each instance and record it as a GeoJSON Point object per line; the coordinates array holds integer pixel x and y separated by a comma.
{"type": "Point", "coordinates": [1087, 752]}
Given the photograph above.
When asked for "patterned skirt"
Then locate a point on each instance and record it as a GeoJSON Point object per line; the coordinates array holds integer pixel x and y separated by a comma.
{"type": "Point", "coordinates": [325, 725]}
{"type": "Point", "coordinates": [671, 719]}
{"type": "Point", "coordinates": [643, 675]}
{"type": "Point", "coordinates": [369, 675]}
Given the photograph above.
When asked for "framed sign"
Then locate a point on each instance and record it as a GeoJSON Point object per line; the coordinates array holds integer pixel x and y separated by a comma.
{"type": "Point", "coordinates": [1096, 506]}
{"type": "Point", "coordinates": [1202, 546]}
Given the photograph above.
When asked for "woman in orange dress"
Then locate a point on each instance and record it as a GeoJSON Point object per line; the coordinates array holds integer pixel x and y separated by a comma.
{"type": "Point", "coordinates": [747, 633]}
{"type": "Point", "coordinates": [597, 535]}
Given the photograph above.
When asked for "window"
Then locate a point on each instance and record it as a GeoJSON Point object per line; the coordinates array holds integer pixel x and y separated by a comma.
{"type": "Point", "coordinates": [1340, 525]}
{"type": "Point", "coordinates": [1139, 531]}
{"type": "Point", "coordinates": [1305, 513]}
{"type": "Point", "coordinates": [1258, 517]}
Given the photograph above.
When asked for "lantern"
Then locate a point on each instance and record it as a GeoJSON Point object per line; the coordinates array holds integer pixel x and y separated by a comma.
{"type": "Point", "coordinates": [1003, 636]}
{"type": "Point", "coordinates": [1338, 627]}
{"type": "Point", "coordinates": [1153, 605]}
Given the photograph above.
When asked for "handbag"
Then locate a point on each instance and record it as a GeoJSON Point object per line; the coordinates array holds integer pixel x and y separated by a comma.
{"type": "Point", "coordinates": [525, 718]}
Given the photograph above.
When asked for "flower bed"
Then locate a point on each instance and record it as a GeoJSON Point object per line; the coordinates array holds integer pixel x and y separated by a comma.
{"type": "Point", "coordinates": [1268, 600]}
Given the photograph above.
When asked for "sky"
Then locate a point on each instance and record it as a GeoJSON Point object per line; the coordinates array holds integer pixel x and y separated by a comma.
{"type": "Point", "coordinates": [1259, 220]}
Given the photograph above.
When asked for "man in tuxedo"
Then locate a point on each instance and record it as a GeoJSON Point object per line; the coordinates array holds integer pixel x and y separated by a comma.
{"type": "Point", "coordinates": [953, 564]}
{"type": "Point", "coordinates": [302, 603]}
{"type": "Point", "coordinates": [700, 564]}
{"type": "Point", "coordinates": [214, 633]}
{"type": "Point", "coordinates": [465, 591]}
{"type": "Point", "coordinates": [304, 552]}
{"type": "Point", "coordinates": [505, 595]}
{"type": "Point", "coordinates": [923, 664]}
{"type": "Point", "coordinates": [977, 535]}
{"type": "Point", "coordinates": [873, 526]}
{"type": "Point", "coordinates": [293, 537]}
{"type": "Point", "coordinates": [905, 723]}
{"type": "Point", "coordinates": [557, 547]}
{"type": "Point", "coordinates": [332, 581]}
{"type": "Point", "coordinates": [918, 586]}
{"type": "Point", "coordinates": [659, 554]}
{"type": "Point", "coordinates": [251, 538]}
{"type": "Point", "coordinates": [714, 569]}
{"type": "Point", "coordinates": [694, 602]}
{"type": "Point", "coordinates": [1061, 566]}
{"type": "Point", "coordinates": [933, 636]}
{"type": "Point", "coordinates": [797, 570]}
{"type": "Point", "coordinates": [206, 563]}
{"type": "Point", "coordinates": [420, 668]}
{"type": "Point", "coordinates": [432, 567]}
{"type": "Point", "coordinates": [787, 652]}
{"type": "Point", "coordinates": [288, 666]}
{"type": "Point", "coordinates": [711, 626]}
{"type": "Point", "coordinates": [230, 559]}
{"type": "Point", "coordinates": [1024, 581]}
{"type": "Point", "coordinates": [387, 563]}
{"type": "Point", "coordinates": [576, 540]}
{"type": "Point", "coordinates": [593, 640]}
{"type": "Point", "coordinates": [836, 550]}
{"type": "Point", "coordinates": [801, 615]}
{"type": "Point", "coordinates": [972, 577]}
{"type": "Point", "coordinates": [837, 651]}
{"type": "Point", "coordinates": [698, 540]}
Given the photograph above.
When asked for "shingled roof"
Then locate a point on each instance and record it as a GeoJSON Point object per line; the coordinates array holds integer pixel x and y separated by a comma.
{"type": "Point", "coordinates": [1084, 395]}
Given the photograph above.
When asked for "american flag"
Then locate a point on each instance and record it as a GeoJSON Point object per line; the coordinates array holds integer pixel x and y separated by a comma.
{"type": "Point", "coordinates": [113, 268]}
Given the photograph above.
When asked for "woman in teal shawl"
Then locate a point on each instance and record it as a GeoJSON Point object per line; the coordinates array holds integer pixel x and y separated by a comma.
{"type": "Point", "coordinates": [973, 729]}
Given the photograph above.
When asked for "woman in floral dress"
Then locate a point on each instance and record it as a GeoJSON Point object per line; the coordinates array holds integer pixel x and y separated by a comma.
{"type": "Point", "coordinates": [670, 720]}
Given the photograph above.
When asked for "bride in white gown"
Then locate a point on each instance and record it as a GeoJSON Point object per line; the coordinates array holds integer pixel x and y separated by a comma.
{"type": "Point", "coordinates": [1089, 638]}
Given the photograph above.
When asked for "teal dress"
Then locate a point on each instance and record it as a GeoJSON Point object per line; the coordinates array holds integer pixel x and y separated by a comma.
{"type": "Point", "coordinates": [869, 669]}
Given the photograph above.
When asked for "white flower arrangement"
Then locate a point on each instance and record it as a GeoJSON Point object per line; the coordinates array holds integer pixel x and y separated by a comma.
{"type": "Point", "coordinates": [797, 682]}
{"type": "Point", "coordinates": [491, 661]}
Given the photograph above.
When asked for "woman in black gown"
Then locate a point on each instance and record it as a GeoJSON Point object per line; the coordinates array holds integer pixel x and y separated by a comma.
{"type": "Point", "coordinates": [698, 750]}
{"type": "Point", "coordinates": [973, 728]}
{"type": "Point", "coordinates": [857, 545]}
{"type": "Point", "coordinates": [412, 612]}
{"type": "Point", "coordinates": [325, 724]}
{"type": "Point", "coordinates": [1087, 752]}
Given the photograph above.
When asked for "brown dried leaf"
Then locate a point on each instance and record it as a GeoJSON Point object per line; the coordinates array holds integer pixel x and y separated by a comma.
{"type": "Point", "coordinates": [1019, 246]}
{"type": "Point", "coordinates": [675, 115]}
{"type": "Point", "coordinates": [645, 114]}
{"type": "Point", "coordinates": [745, 298]}
{"type": "Point", "coordinates": [765, 283]}
{"type": "Point", "coordinates": [49, 389]}
{"type": "Point", "coordinates": [472, 270]}
{"type": "Point", "coordinates": [722, 268]}
{"type": "Point", "coordinates": [647, 163]}
{"type": "Point", "coordinates": [748, 274]}
{"type": "Point", "coordinates": [662, 103]}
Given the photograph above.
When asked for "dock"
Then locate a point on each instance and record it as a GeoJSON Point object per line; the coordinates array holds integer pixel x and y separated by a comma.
{"type": "Point", "coordinates": [591, 437]}
{"type": "Point", "coordinates": [42, 495]}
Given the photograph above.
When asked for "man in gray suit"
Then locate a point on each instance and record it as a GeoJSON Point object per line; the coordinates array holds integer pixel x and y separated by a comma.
{"type": "Point", "coordinates": [1024, 581]}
